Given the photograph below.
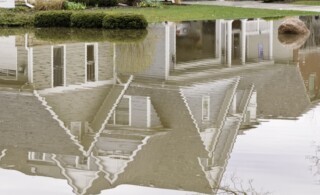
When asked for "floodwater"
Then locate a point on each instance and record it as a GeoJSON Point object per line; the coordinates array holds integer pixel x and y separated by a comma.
{"type": "Point", "coordinates": [200, 107]}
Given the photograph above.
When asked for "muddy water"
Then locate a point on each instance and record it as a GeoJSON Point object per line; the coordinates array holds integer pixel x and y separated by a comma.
{"type": "Point", "coordinates": [199, 107]}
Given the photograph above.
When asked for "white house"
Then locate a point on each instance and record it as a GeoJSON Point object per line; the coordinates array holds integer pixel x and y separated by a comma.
{"type": "Point", "coordinates": [7, 3]}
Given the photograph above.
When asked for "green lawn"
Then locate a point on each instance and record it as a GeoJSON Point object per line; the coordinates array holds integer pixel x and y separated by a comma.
{"type": "Point", "coordinates": [22, 17]}
{"type": "Point", "coordinates": [204, 12]}
{"type": "Point", "coordinates": [317, 3]}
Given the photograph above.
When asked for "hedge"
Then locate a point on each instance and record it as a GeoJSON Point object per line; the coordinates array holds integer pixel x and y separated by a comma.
{"type": "Point", "coordinates": [87, 20]}
{"type": "Point", "coordinates": [65, 35]}
{"type": "Point", "coordinates": [53, 19]}
{"type": "Point", "coordinates": [124, 22]}
{"type": "Point", "coordinates": [100, 3]}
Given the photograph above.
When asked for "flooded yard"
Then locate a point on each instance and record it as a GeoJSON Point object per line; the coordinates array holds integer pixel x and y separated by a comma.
{"type": "Point", "coordinates": [195, 107]}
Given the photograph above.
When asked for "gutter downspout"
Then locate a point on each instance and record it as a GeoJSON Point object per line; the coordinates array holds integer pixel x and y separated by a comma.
{"type": "Point", "coordinates": [28, 4]}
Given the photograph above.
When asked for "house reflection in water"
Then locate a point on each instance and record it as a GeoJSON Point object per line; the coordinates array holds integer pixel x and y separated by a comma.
{"type": "Point", "coordinates": [169, 125]}
{"type": "Point", "coordinates": [307, 58]}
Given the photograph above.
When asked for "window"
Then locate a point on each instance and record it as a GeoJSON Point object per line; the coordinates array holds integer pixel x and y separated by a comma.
{"type": "Point", "coordinates": [205, 108]}
{"type": "Point", "coordinates": [122, 115]}
{"type": "Point", "coordinates": [76, 129]}
{"type": "Point", "coordinates": [58, 66]}
{"type": "Point", "coordinates": [90, 63]}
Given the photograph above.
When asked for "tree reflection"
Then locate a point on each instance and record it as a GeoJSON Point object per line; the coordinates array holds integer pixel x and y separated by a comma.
{"type": "Point", "coordinates": [315, 161]}
{"type": "Point", "coordinates": [234, 185]}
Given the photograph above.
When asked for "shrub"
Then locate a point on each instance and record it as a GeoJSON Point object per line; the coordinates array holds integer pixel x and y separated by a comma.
{"type": "Point", "coordinates": [49, 5]}
{"type": "Point", "coordinates": [125, 36]}
{"type": "Point", "coordinates": [107, 3]}
{"type": "Point", "coordinates": [270, 1]}
{"type": "Point", "coordinates": [149, 3]}
{"type": "Point", "coordinates": [87, 20]}
{"type": "Point", "coordinates": [100, 3]}
{"type": "Point", "coordinates": [53, 19]}
{"type": "Point", "coordinates": [124, 22]}
{"type": "Point", "coordinates": [74, 6]}
{"type": "Point", "coordinates": [65, 35]}
{"type": "Point", "coordinates": [85, 2]}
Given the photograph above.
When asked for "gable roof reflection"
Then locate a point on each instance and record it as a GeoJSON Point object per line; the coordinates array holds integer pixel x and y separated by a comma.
{"type": "Point", "coordinates": [80, 171]}
{"type": "Point", "coordinates": [33, 128]}
{"type": "Point", "coordinates": [208, 104]}
{"type": "Point", "coordinates": [82, 121]}
{"type": "Point", "coordinates": [218, 109]}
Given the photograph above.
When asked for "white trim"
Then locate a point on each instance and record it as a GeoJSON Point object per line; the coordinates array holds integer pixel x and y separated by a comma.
{"type": "Point", "coordinates": [229, 42]}
{"type": "Point", "coordinates": [243, 40]}
{"type": "Point", "coordinates": [30, 62]}
{"type": "Point", "coordinates": [31, 156]}
{"type": "Point", "coordinates": [167, 50]}
{"type": "Point", "coordinates": [3, 153]}
{"type": "Point", "coordinates": [218, 39]}
{"type": "Point", "coordinates": [114, 63]}
{"type": "Point", "coordinates": [52, 66]}
{"type": "Point", "coordinates": [85, 62]}
{"type": "Point", "coordinates": [270, 40]}
{"type": "Point", "coordinates": [75, 87]}
{"type": "Point", "coordinates": [96, 63]}
{"type": "Point", "coordinates": [130, 109]}
{"type": "Point", "coordinates": [148, 112]}
{"type": "Point", "coordinates": [65, 65]}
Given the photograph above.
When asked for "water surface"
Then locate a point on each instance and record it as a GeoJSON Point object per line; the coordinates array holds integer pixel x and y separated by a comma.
{"type": "Point", "coordinates": [196, 107]}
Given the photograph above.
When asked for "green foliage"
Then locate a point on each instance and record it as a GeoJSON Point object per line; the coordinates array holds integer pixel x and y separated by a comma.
{"type": "Point", "coordinates": [107, 3]}
{"type": "Point", "coordinates": [149, 3]}
{"type": "Point", "coordinates": [74, 6]}
{"type": "Point", "coordinates": [87, 20]}
{"type": "Point", "coordinates": [16, 17]}
{"type": "Point", "coordinates": [304, 2]}
{"type": "Point", "coordinates": [125, 22]}
{"type": "Point", "coordinates": [49, 5]}
{"type": "Point", "coordinates": [125, 36]}
{"type": "Point", "coordinates": [64, 35]}
{"type": "Point", "coordinates": [86, 2]}
{"type": "Point", "coordinates": [53, 19]}
{"type": "Point", "coordinates": [99, 3]}
{"type": "Point", "coordinates": [129, 2]}
{"type": "Point", "coordinates": [270, 1]}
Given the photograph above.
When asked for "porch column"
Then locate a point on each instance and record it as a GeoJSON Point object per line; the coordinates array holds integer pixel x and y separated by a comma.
{"type": "Point", "coordinates": [30, 58]}
{"type": "Point", "coordinates": [243, 40]}
{"type": "Point", "coordinates": [229, 42]}
{"type": "Point", "coordinates": [167, 49]}
{"type": "Point", "coordinates": [270, 40]}
{"type": "Point", "coordinates": [218, 39]}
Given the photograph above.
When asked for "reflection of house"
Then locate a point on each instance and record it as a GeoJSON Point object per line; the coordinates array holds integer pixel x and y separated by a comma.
{"type": "Point", "coordinates": [224, 42]}
{"type": "Point", "coordinates": [308, 59]}
{"type": "Point", "coordinates": [13, 65]}
{"type": "Point", "coordinates": [171, 124]}
{"type": "Point", "coordinates": [310, 71]}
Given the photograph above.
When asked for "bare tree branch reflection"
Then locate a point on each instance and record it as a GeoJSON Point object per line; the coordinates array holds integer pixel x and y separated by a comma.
{"type": "Point", "coordinates": [315, 162]}
{"type": "Point", "coordinates": [237, 186]}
